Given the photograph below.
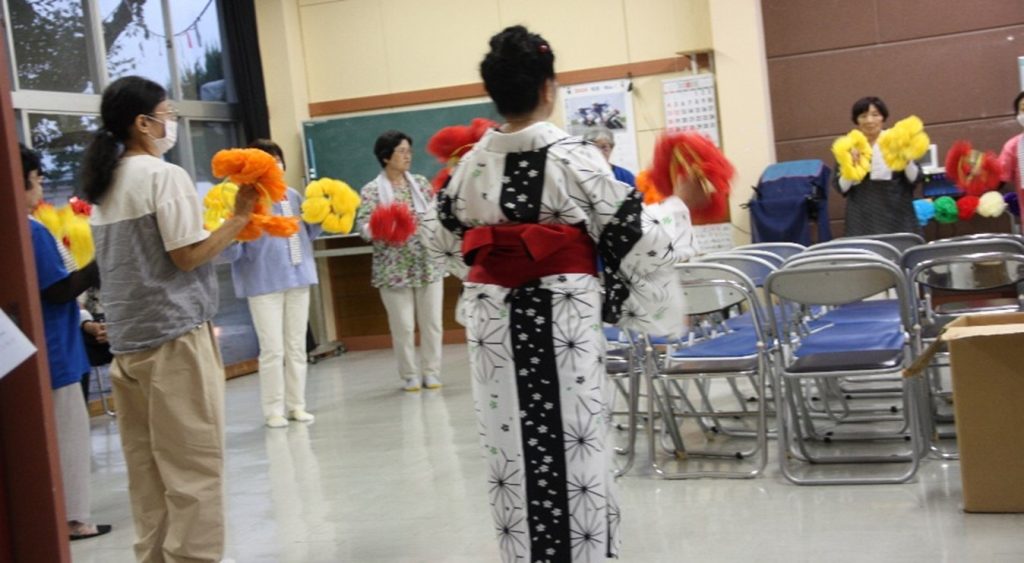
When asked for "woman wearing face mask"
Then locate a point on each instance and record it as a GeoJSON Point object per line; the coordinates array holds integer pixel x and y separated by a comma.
{"type": "Point", "coordinates": [275, 275]}
{"type": "Point", "coordinates": [1012, 156]}
{"type": "Point", "coordinates": [160, 294]}
{"type": "Point", "coordinates": [883, 202]}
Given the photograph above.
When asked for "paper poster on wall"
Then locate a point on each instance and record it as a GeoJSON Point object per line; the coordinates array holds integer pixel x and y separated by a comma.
{"type": "Point", "coordinates": [604, 104]}
{"type": "Point", "coordinates": [716, 237]}
{"type": "Point", "coordinates": [690, 105]}
{"type": "Point", "coordinates": [15, 347]}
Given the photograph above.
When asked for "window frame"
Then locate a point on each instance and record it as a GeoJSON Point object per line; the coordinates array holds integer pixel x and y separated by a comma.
{"type": "Point", "coordinates": [70, 103]}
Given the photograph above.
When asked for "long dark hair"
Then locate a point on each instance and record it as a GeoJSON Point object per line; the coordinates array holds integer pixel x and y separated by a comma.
{"type": "Point", "coordinates": [517, 65]}
{"type": "Point", "coordinates": [124, 100]}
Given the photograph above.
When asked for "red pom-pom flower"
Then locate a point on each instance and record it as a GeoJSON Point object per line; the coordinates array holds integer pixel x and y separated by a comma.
{"type": "Point", "coordinates": [392, 224]}
{"type": "Point", "coordinates": [693, 168]}
{"type": "Point", "coordinates": [972, 171]}
{"type": "Point", "coordinates": [967, 206]}
{"type": "Point", "coordinates": [80, 206]}
{"type": "Point", "coordinates": [450, 143]}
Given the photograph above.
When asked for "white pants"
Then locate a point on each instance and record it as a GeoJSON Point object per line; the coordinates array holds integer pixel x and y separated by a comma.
{"type": "Point", "coordinates": [74, 446]}
{"type": "Point", "coordinates": [406, 306]}
{"type": "Point", "coordinates": [280, 321]}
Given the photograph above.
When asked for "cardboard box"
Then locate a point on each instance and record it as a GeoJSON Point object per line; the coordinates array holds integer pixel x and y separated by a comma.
{"type": "Point", "coordinates": [987, 359]}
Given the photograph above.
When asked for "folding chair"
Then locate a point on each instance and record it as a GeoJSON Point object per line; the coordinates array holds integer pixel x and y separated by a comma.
{"type": "Point", "coordinates": [881, 248]}
{"type": "Point", "coordinates": [967, 272]}
{"type": "Point", "coordinates": [623, 366]}
{"type": "Point", "coordinates": [901, 241]}
{"type": "Point", "coordinates": [99, 358]}
{"type": "Point", "coordinates": [731, 356]}
{"type": "Point", "coordinates": [983, 237]}
{"type": "Point", "coordinates": [781, 249]}
{"type": "Point", "coordinates": [850, 352]}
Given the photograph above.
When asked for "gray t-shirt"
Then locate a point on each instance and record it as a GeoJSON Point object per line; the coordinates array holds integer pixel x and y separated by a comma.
{"type": "Point", "coordinates": [152, 208]}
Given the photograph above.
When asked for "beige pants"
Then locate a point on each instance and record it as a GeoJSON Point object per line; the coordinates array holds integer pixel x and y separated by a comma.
{"type": "Point", "coordinates": [73, 445]}
{"type": "Point", "coordinates": [280, 321]}
{"type": "Point", "coordinates": [170, 409]}
{"type": "Point", "coordinates": [406, 307]}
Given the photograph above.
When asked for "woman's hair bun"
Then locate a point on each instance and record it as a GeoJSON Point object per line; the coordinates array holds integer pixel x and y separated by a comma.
{"type": "Point", "coordinates": [515, 69]}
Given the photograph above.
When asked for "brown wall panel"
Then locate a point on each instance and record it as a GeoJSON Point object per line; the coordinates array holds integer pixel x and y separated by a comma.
{"type": "Point", "coordinates": [911, 19]}
{"type": "Point", "coordinates": [806, 26]}
{"type": "Point", "coordinates": [941, 79]}
{"type": "Point", "coordinates": [988, 134]}
{"type": "Point", "coordinates": [951, 62]}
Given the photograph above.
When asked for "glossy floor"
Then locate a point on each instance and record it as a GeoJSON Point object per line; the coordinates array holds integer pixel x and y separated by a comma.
{"type": "Point", "coordinates": [385, 476]}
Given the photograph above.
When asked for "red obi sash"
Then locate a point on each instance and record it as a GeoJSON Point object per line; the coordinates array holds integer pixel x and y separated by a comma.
{"type": "Point", "coordinates": [514, 255]}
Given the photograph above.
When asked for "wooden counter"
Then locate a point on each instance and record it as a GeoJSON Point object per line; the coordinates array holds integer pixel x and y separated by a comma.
{"type": "Point", "coordinates": [353, 307]}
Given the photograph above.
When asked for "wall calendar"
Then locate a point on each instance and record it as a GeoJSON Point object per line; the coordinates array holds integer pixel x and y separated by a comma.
{"type": "Point", "coordinates": [690, 105]}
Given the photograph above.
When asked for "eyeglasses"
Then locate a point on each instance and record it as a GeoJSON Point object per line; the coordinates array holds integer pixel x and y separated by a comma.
{"type": "Point", "coordinates": [170, 115]}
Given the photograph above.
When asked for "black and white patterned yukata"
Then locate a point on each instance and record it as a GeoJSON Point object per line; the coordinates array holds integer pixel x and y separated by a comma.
{"type": "Point", "coordinates": [537, 351]}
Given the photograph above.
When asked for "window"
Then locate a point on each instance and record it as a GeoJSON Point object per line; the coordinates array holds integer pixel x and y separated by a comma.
{"type": "Point", "coordinates": [61, 140]}
{"type": "Point", "coordinates": [50, 44]}
{"type": "Point", "coordinates": [66, 51]}
{"type": "Point", "coordinates": [135, 38]}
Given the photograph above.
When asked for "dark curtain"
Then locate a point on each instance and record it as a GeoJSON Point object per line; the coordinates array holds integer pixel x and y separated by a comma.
{"type": "Point", "coordinates": [243, 49]}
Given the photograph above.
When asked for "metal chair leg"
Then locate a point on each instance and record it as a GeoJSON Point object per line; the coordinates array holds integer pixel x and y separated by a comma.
{"type": "Point", "coordinates": [96, 372]}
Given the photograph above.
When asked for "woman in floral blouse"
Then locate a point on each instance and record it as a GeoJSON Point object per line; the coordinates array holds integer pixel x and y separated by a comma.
{"type": "Point", "coordinates": [410, 280]}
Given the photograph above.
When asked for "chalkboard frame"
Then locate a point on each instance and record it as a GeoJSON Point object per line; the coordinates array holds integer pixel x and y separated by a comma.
{"type": "Point", "coordinates": [342, 147]}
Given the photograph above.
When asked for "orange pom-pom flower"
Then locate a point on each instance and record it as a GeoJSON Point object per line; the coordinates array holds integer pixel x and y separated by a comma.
{"type": "Point", "coordinates": [645, 185]}
{"type": "Point", "coordinates": [258, 169]}
{"type": "Point", "coordinates": [392, 224]}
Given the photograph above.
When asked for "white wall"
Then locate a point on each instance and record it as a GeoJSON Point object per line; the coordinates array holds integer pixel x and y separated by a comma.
{"type": "Point", "coordinates": [323, 50]}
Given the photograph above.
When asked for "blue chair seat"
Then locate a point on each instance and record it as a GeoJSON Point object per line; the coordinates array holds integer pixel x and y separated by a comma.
{"type": "Point", "coordinates": [848, 361]}
{"type": "Point", "coordinates": [852, 337]}
{"type": "Point", "coordinates": [728, 353]}
{"type": "Point", "coordinates": [613, 334]}
{"type": "Point", "coordinates": [850, 346]}
{"type": "Point", "coordinates": [881, 310]}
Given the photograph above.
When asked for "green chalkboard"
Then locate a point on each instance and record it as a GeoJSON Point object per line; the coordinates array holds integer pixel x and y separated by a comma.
{"type": "Point", "coordinates": [342, 148]}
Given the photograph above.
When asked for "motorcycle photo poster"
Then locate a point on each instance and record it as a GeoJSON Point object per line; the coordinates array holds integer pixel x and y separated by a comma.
{"type": "Point", "coordinates": [606, 104]}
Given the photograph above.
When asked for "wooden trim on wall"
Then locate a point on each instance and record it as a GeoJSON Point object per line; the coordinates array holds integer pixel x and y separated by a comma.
{"type": "Point", "coordinates": [476, 90]}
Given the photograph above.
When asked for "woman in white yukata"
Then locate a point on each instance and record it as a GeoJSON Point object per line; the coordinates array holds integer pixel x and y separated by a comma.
{"type": "Point", "coordinates": [529, 210]}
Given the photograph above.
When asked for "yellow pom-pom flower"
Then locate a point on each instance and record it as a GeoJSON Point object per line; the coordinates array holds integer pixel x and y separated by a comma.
{"type": "Point", "coordinates": [220, 204]}
{"type": "Point", "coordinates": [78, 234]}
{"type": "Point", "coordinates": [315, 210]}
{"type": "Point", "coordinates": [70, 230]}
{"type": "Point", "coordinates": [331, 203]}
{"type": "Point", "coordinates": [905, 142]}
{"type": "Point", "coordinates": [844, 148]}
{"type": "Point", "coordinates": [47, 215]}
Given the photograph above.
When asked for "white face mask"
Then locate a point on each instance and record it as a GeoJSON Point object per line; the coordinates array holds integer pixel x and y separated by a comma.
{"type": "Point", "coordinates": [1020, 119]}
{"type": "Point", "coordinates": [165, 143]}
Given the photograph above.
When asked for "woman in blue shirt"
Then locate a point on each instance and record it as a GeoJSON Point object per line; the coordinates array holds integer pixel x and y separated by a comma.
{"type": "Point", "coordinates": [60, 282]}
{"type": "Point", "coordinates": [604, 139]}
{"type": "Point", "coordinates": [275, 274]}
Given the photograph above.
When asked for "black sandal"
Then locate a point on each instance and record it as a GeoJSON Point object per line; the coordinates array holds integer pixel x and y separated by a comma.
{"type": "Point", "coordinates": [100, 530]}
